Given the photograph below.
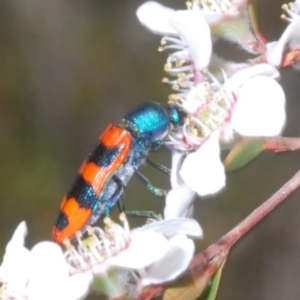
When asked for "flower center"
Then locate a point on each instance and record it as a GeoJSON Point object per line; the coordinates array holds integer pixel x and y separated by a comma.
{"type": "Point", "coordinates": [208, 107]}
{"type": "Point", "coordinates": [215, 109]}
{"type": "Point", "coordinates": [98, 246]}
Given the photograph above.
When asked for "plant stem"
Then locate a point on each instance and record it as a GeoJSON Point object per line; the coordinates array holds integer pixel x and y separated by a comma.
{"type": "Point", "coordinates": [224, 245]}
{"type": "Point", "coordinates": [282, 144]}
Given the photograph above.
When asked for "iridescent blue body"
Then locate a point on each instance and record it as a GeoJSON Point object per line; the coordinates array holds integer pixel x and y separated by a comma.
{"type": "Point", "coordinates": [120, 151]}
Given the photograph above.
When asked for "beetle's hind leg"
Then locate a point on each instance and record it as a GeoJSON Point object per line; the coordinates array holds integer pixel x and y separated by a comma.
{"type": "Point", "coordinates": [154, 190]}
{"type": "Point", "coordinates": [149, 214]}
{"type": "Point", "coordinates": [159, 167]}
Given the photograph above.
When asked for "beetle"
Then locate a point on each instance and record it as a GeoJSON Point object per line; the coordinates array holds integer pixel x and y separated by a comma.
{"type": "Point", "coordinates": [121, 149]}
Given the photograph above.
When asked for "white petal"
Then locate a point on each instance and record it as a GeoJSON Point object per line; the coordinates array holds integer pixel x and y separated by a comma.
{"type": "Point", "coordinates": [15, 265]}
{"type": "Point", "coordinates": [145, 248]}
{"type": "Point", "coordinates": [156, 17]}
{"type": "Point", "coordinates": [48, 272]}
{"type": "Point", "coordinates": [49, 275]}
{"type": "Point", "coordinates": [193, 29]}
{"type": "Point", "coordinates": [173, 264]}
{"type": "Point", "coordinates": [176, 180]}
{"type": "Point", "coordinates": [260, 109]}
{"type": "Point", "coordinates": [19, 235]}
{"type": "Point", "coordinates": [203, 170]}
{"type": "Point", "coordinates": [274, 52]}
{"type": "Point", "coordinates": [296, 7]}
{"type": "Point", "coordinates": [295, 41]}
{"type": "Point", "coordinates": [178, 202]}
{"type": "Point", "coordinates": [176, 226]}
{"type": "Point", "coordinates": [77, 286]}
{"type": "Point", "coordinates": [240, 77]}
{"type": "Point", "coordinates": [212, 18]}
{"type": "Point", "coordinates": [275, 49]}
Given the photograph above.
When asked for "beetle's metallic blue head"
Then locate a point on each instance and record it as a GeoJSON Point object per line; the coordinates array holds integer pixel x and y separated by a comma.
{"type": "Point", "coordinates": [151, 121]}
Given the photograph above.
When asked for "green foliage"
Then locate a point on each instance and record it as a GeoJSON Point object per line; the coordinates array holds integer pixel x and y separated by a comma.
{"type": "Point", "coordinates": [243, 153]}
{"type": "Point", "coordinates": [213, 288]}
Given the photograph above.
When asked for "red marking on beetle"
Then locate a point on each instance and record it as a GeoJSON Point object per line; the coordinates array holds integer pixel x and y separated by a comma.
{"type": "Point", "coordinates": [77, 218]}
{"type": "Point", "coordinates": [114, 136]}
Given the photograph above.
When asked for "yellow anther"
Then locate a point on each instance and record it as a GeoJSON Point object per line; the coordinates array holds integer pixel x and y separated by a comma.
{"type": "Point", "coordinates": [283, 17]}
{"type": "Point", "coordinates": [108, 221]}
{"type": "Point", "coordinates": [167, 67]}
{"type": "Point", "coordinates": [189, 4]}
{"type": "Point", "coordinates": [67, 243]}
{"type": "Point", "coordinates": [182, 83]}
{"type": "Point", "coordinates": [90, 230]}
{"type": "Point", "coordinates": [79, 234]}
{"type": "Point", "coordinates": [174, 98]}
{"type": "Point", "coordinates": [161, 49]}
{"type": "Point", "coordinates": [163, 43]}
{"type": "Point", "coordinates": [122, 217]}
{"type": "Point", "coordinates": [205, 71]}
{"type": "Point", "coordinates": [180, 62]}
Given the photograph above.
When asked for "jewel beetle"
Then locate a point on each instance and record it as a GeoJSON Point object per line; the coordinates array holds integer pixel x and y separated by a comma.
{"type": "Point", "coordinates": [120, 150]}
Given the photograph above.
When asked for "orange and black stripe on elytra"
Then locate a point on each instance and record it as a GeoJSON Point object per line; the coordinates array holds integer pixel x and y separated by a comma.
{"type": "Point", "coordinates": [110, 153]}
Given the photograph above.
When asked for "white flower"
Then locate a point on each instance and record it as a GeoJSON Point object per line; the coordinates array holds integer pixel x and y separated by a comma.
{"type": "Point", "coordinates": [179, 200]}
{"type": "Point", "coordinates": [290, 37]}
{"type": "Point", "coordinates": [203, 170]}
{"type": "Point", "coordinates": [159, 251]}
{"type": "Point", "coordinates": [259, 113]}
{"type": "Point", "coordinates": [250, 103]}
{"type": "Point", "coordinates": [41, 273]}
{"type": "Point", "coordinates": [49, 276]}
{"type": "Point", "coordinates": [14, 270]}
{"type": "Point", "coordinates": [185, 31]}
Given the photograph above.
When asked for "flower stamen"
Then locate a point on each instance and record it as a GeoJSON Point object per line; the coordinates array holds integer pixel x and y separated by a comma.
{"type": "Point", "coordinates": [98, 246]}
{"type": "Point", "coordinates": [291, 11]}
{"type": "Point", "coordinates": [208, 106]}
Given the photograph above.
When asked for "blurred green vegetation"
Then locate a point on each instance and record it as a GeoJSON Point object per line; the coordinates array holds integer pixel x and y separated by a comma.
{"type": "Point", "coordinates": [67, 69]}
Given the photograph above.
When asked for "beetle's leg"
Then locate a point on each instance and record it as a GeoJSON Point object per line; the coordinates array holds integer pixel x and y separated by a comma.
{"type": "Point", "coordinates": [156, 191]}
{"type": "Point", "coordinates": [105, 207]}
{"type": "Point", "coordinates": [149, 214]}
{"type": "Point", "coordinates": [121, 203]}
{"type": "Point", "coordinates": [170, 148]}
{"type": "Point", "coordinates": [137, 213]}
{"type": "Point", "coordinates": [116, 195]}
{"type": "Point", "coordinates": [159, 167]}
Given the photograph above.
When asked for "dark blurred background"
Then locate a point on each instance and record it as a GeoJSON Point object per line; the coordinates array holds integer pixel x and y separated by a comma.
{"type": "Point", "coordinates": [67, 69]}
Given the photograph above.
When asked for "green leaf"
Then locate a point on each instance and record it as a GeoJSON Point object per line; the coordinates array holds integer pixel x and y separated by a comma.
{"type": "Point", "coordinates": [194, 284]}
{"type": "Point", "coordinates": [253, 12]}
{"type": "Point", "coordinates": [213, 288]}
{"type": "Point", "coordinates": [190, 288]}
{"type": "Point", "coordinates": [243, 153]}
